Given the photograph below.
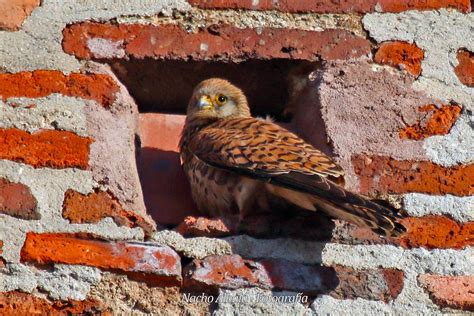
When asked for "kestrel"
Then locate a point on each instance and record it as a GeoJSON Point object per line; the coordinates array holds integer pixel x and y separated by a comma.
{"type": "Point", "coordinates": [238, 164]}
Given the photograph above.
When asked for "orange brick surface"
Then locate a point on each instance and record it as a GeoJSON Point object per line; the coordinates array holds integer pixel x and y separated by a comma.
{"type": "Point", "coordinates": [439, 122]}
{"type": "Point", "coordinates": [436, 232]}
{"type": "Point", "coordinates": [450, 291]}
{"type": "Point", "coordinates": [145, 262]}
{"type": "Point", "coordinates": [380, 174]}
{"type": "Point", "coordinates": [215, 42]}
{"type": "Point", "coordinates": [402, 55]}
{"type": "Point", "coordinates": [45, 148]}
{"type": "Point", "coordinates": [14, 12]}
{"type": "Point", "coordinates": [41, 83]}
{"type": "Point", "coordinates": [92, 208]}
{"type": "Point", "coordinates": [404, 5]}
{"type": "Point", "coordinates": [465, 69]}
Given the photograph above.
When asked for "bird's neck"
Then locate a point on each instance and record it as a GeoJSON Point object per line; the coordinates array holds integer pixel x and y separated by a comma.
{"type": "Point", "coordinates": [192, 126]}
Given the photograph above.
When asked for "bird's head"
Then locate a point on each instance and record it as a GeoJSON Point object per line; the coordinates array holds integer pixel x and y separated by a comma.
{"type": "Point", "coordinates": [217, 98]}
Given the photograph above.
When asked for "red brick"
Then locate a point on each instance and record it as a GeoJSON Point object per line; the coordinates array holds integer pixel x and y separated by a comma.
{"type": "Point", "coordinates": [204, 227]}
{"type": "Point", "coordinates": [404, 5]}
{"type": "Point", "coordinates": [380, 174]}
{"type": "Point", "coordinates": [17, 303]}
{"type": "Point", "coordinates": [325, 6]}
{"type": "Point", "coordinates": [372, 284]}
{"type": "Point", "coordinates": [168, 202]}
{"type": "Point", "coordinates": [45, 148]}
{"type": "Point", "coordinates": [221, 42]}
{"type": "Point", "coordinates": [401, 55]}
{"type": "Point", "coordinates": [438, 122]}
{"type": "Point", "coordinates": [231, 271]}
{"type": "Point", "coordinates": [228, 271]}
{"type": "Point", "coordinates": [157, 265]}
{"type": "Point", "coordinates": [92, 208]}
{"type": "Point", "coordinates": [2, 261]}
{"type": "Point", "coordinates": [16, 200]}
{"type": "Point", "coordinates": [450, 291]}
{"type": "Point", "coordinates": [14, 12]}
{"type": "Point", "coordinates": [436, 232]}
{"type": "Point", "coordinates": [41, 83]}
{"type": "Point", "coordinates": [465, 69]}
{"type": "Point", "coordinates": [316, 6]}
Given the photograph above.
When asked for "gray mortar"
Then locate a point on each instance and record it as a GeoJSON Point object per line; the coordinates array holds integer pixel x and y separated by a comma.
{"type": "Point", "coordinates": [255, 301]}
{"type": "Point", "coordinates": [417, 260]}
{"type": "Point", "coordinates": [195, 18]}
{"type": "Point", "coordinates": [196, 248]}
{"type": "Point", "coordinates": [50, 195]}
{"type": "Point", "coordinates": [440, 34]}
{"type": "Point", "coordinates": [41, 33]}
{"type": "Point", "coordinates": [62, 282]}
{"type": "Point", "coordinates": [455, 148]}
{"type": "Point", "coordinates": [280, 248]}
{"type": "Point", "coordinates": [52, 112]}
{"type": "Point", "coordinates": [420, 260]}
{"type": "Point", "coordinates": [128, 297]}
{"type": "Point", "coordinates": [413, 300]}
{"type": "Point", "coordinates": [459, 208]}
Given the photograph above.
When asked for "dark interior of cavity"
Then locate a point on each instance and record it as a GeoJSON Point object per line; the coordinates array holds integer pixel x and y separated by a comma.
{"type": "Point", "coordinates": [165, 86]}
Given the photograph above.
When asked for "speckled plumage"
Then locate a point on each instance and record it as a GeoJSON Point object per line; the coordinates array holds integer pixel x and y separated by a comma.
{"type": "Point", "coordinates": [237, 164]}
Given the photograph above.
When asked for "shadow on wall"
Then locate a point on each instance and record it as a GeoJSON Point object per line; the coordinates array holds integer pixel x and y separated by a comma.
{"type": "Point", "coordinates": [166, 86]}
{"type": "Point", "coordinates": [165, 188]}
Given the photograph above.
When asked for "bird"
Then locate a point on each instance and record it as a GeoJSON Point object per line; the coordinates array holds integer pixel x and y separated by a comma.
{"type": "Point", "coordinates": [239, 165]}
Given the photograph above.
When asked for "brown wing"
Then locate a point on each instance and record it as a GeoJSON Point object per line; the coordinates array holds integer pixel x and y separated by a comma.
{"type": "Point", "coordinates": [260, 148]}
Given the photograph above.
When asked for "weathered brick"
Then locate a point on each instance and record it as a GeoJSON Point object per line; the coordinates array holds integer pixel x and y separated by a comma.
{"type": "Point", "coordinates": [156, 265]}
{"type": "Point", "coordinates": [380, 174]}
{"type": "Point", "coordinates": [436, 232]}
{"type": "Point", "coordinates": [402, 55]}
{"type": "Point", "coordinates": [404, 5]}
{"type": "Point", "coordinates": [40, 83]}
{"type": "Point", "coordinates": [287, 275]}
{"type": "Point", "coordinates": [16, 200]}
{"type": "Point", "coordinates": [316, 6]}
{"type": "Point", "coordinates": [450, 291]}
{"type": "Point", "coordinates": [465, 69]}
{"type": "Point", "coordinates": [300, 225]}
{"type": "Point", "coordinates": [228, 271]}
{"type": "Point", "coordinates": [325, 6]}
{"type": "Point", "coordinates": [204, 227]}
{"type": "Point", "coordinates": [93, 207]}
{"type": "Point", "coordinates": [231, 271]}
{"type": "Point", "coordinates": [438, 121]}
{"type": "Point", "coordinates": [372, 284]}
{"type": "Point", "coordinates": [216, 42]}
{"type": "Point", "coordinates": [45, 148]}
{"type": "Point", "coordinates": [168, 202]}
{"type": "Point", "coordinates": [14, 12]}
{"type": "Point", "coordinates": [18, 303]}
{"type": "Point", "coordinates": [2, 261]}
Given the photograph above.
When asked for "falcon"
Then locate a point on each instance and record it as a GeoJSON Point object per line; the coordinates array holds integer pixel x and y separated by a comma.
{"type": "Point", "coordinates": [239, 165]}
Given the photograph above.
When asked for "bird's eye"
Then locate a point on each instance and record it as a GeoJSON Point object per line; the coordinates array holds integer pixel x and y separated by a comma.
{"type": "Point", "coordinates": [221, 99]}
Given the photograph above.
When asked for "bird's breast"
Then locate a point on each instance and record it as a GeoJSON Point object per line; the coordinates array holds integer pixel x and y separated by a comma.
{"type": "Point", "coordinates": [212, 189]}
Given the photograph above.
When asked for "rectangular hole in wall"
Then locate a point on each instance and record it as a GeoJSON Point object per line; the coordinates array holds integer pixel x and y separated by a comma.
{"type": "Point", "coordinates": [162, 88]}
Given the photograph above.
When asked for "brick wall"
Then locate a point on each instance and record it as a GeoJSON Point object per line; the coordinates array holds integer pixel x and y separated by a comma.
{"type": "Point", "coordinates": [95, 214]}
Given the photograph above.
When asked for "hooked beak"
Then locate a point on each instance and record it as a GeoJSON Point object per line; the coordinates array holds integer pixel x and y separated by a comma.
{"type": "Point", "coordinates": [205, 102]}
